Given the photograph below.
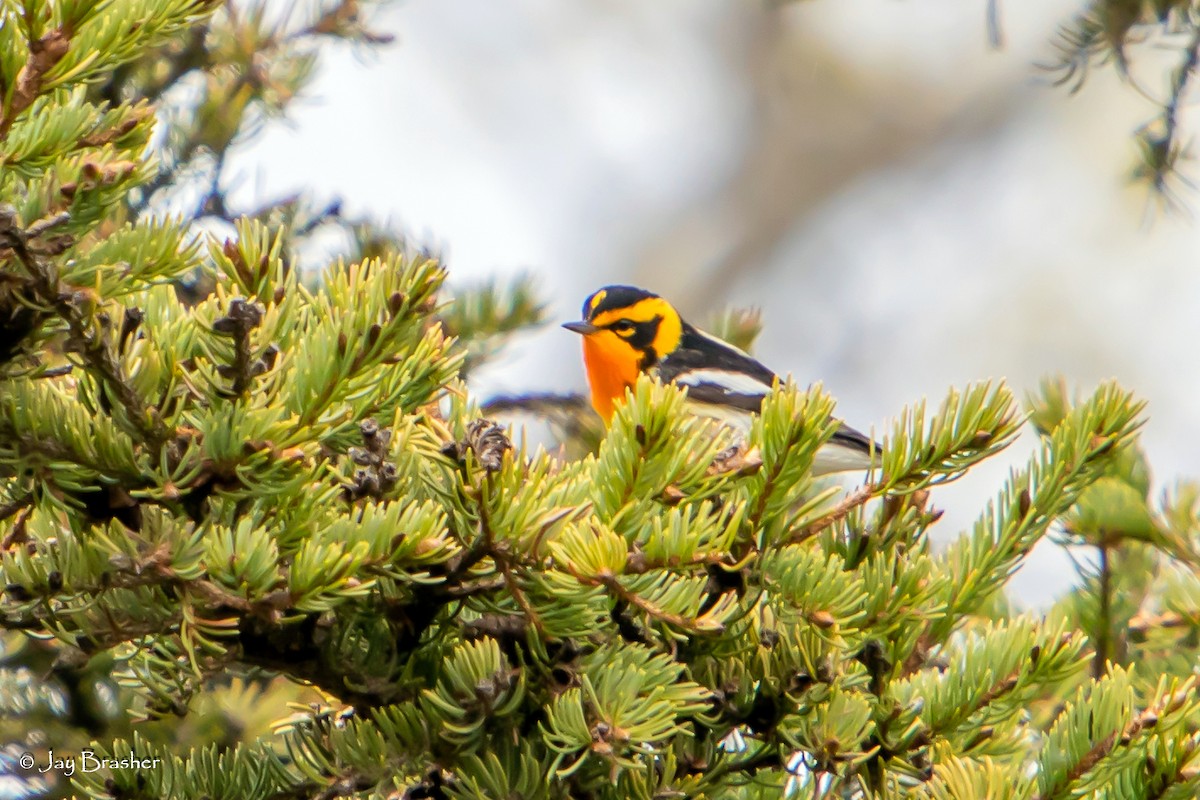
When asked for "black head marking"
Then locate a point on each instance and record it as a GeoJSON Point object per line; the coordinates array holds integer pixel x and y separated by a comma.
{"type": "Point", "coordinates": [643, 339]}
{"type": "Point", "coordinates": [611, 297]}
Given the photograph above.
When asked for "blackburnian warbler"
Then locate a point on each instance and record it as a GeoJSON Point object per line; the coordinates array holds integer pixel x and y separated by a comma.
{"type": "Point", "coordinates": [627, 331]}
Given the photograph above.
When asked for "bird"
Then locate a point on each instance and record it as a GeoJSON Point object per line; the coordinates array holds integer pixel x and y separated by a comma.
{"type": "Point", "coordinates": [628, 331]}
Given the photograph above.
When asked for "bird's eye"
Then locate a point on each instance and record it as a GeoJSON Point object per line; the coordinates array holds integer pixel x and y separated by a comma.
{"type": "Point", "coordinates": [623, 326]}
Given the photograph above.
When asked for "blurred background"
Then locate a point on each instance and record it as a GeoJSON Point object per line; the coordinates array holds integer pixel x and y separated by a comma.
{"type": "Point", "coordinates": [910, 206]}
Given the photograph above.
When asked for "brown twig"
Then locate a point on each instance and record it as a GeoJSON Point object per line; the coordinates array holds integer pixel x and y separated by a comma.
{"type": "Point", "coordinates": [1141, 623]}
{"type": "Point", "coordinates": [848, 503]}
{"type": "Point", "coordinates": [44, 53]}
{"type": "Point", "coordinates": [18, 533]}
{"type": "Point", "coordinates": [611, 583]}
{"type": "Point", "coordinates": [511, 584]}
{"type": "Point", "coordinates": [16, 505]}
{"type": "Point", "coordinates": [155, 570]}
{"type": "Point", "coordinates": [51, 449]}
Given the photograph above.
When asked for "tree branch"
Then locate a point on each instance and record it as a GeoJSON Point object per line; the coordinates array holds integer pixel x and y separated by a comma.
{"type": "Point", "coordinates": [44, 53]}
{"type": "Point", "coordinates": [858, 497]}
{"type": "Point", "coordinates": [92, 347]}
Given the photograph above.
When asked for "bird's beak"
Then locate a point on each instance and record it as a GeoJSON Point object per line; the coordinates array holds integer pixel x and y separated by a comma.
{"type": "Point", "coordinates": [581, 327]}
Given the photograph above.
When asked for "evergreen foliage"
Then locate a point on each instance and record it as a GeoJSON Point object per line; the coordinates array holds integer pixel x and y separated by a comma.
{"type": "Point", "coordinates": [255, 530]}
{"type": "Point", "coordinates": [1106, 33]}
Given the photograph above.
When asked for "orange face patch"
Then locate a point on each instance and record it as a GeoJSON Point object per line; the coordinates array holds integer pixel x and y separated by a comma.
{"type": "Point", "coordinates": [612, 366]}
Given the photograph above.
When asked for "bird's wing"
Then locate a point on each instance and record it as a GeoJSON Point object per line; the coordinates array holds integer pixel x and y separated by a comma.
{"type": "Point", "coordinates": [718, 387]}
{"type": "Point", "coordinates": [847, 449]}
{"type": "Point", "coordinates": [847, 437]}
{"type": "Point", "coordinates": [716, 372]}
{"type": "Point", "coordinates": [720, 376]}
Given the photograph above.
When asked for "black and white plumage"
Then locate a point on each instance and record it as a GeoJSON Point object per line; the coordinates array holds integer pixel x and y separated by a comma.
{"type": "Point", "coordinates": [728, 384]}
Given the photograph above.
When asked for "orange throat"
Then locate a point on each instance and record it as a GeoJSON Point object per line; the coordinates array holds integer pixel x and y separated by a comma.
{"type": "Point", "coordinates": [612, 366]}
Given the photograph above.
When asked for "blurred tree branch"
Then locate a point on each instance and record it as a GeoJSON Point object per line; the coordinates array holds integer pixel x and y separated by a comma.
{"type": "Point", "coordinates": [1105, 34]}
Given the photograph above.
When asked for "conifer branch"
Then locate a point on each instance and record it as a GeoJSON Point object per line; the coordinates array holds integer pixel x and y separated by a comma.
{"type": "Point", "coordinates": [294, 652]}
{"type": "Point", "coordinates": [1180, 81]}
{"type": "Point", "coordinates": [1102, 749]}
{"type": "Point", "coordinates": [496, 626]}
{"type": "Point", "coordinates": [844, 508]}
{"type": "Point", "coordinates": [531, 615]}
{"type": "Point", "coordinates": [1159, 140]}
{"type": "Point", "coordinates": [1141, 624]}
{"type": "Point", "coordinates": [44, 53]}
{"type": "Point", "coordinates": [613, 584]}
{"type": "Point", "coordinates": [1185, 773]}
{"type": "Point", "coordinates": [90, 344]}
{"type": "Point", "coordinates": [767, 757]}
{"type": "Point", "coordinates": [52, 449]}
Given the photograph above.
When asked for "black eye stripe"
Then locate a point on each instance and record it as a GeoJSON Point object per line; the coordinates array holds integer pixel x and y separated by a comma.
{"type": "Point", "coordinates": [645, 333]}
